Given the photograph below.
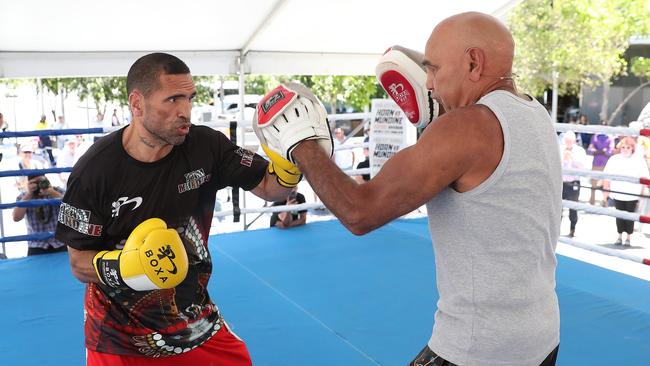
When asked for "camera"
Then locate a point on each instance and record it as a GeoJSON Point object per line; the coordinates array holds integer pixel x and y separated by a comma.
{"type": "Point", "coordinates": [42, 184]}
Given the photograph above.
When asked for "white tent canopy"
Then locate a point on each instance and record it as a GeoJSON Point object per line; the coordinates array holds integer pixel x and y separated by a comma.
{"type": "Point", "coordinates": [44, 38]}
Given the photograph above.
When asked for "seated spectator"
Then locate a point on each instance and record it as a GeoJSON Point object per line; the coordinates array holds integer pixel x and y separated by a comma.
{"type": "Point", "coordinates": [285, 220]}
{"type": "Point", "coordinates": [364, 164]}
{"type": "Point", "coordinates": [40, 218]}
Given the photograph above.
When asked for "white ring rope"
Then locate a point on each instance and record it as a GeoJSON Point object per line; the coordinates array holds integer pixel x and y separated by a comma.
{"type": "Point", "coordinates": [283, 208]}
{"type": "Point", "coordinates": [619, 214]}
{"type": "Point", "coordinates": [601, 175]}
{"type": "Point", "coordinates": [624, 131]}
{"type": "Point", "coordinates": [606, 251]}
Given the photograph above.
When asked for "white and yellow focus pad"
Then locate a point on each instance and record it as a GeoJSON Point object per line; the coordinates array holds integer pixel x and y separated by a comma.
{"type": "Point", "coordinates": [153, 258]}
{"type": "Point", "coordinates": [286, 173]}
{"type": "Point", "coordinates": [289, 114]}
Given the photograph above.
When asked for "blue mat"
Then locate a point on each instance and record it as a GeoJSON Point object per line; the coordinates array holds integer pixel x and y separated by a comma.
{"type": "Point", "coordinates": [318, 295]}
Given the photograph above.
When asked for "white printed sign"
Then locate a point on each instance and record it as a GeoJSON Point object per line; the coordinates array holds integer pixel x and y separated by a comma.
{"type": "Point", "coordinates": [390, 132]}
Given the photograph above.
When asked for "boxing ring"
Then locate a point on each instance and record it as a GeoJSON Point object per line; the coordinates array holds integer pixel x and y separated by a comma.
{"type": "Point", "coordinates": [318, 295]}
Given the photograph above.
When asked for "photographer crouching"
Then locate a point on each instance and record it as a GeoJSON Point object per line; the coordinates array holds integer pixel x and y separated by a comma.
{"type": "Point", "coordinates": [40, 218]}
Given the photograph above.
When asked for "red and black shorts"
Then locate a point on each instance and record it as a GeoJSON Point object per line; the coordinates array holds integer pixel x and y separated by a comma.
{"type": "Point", "coordinates": [224, 348]}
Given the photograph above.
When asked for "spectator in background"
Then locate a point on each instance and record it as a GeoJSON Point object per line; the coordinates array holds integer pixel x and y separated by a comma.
{"type": "Point", "coordinates": [573, 120]}
{"type": "Point", "coordinates": [601, 147]}
{"type": "Point", "coordinates": [42, 123]}
{"type": "Point", "coordinates": [99, 123]}
{"type": "Point", "coordinates": [285, 220]}
{"type": "Point", "coordinates": [27, 161]}
{"type": "Point", "coordinates": [115, 121]}
{"type": "Point", "coordinates": [625, 194]}
{"type": "Point", "coordinates": [573, 157]}
{"type": "Point", "coordinates": [67, 158]}
{"type": "Point", "coordinates": [364, 164]}
{"type": "Point", "coordinates": [584, 136]}
{"type": "Point", "coordinates": [3, 126]}
{"type": "Point", "coordinates": [45, 141]}
{"type": "Point", "coordinates": [40, 218]}
{"type": "Point", "coordinates": [344, 159]}
{"type": "Point", "coordinates": [26, 158]}
{"type": "Point", "coordinates": [61, 125]}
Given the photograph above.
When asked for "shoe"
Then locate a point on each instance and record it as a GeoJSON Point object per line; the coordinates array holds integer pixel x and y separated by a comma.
{"type": "Point", "coordinates": [627, 243]}
{"type": "Point", "coordinates": [618, 242]}
{"type": "Point", "coordinates": [572, 233]}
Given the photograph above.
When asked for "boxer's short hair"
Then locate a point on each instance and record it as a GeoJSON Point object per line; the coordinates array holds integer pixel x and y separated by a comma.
{"type": "Point", "coordinates": [145, 72]}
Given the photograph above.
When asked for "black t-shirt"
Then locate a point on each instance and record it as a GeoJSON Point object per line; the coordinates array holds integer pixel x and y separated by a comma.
{"type": "Point", "coordinates": [364, 164]}
{"type": "Point", "coordinates": [109, 193]}
{"type": "Point", "coordinates": [300, 198]}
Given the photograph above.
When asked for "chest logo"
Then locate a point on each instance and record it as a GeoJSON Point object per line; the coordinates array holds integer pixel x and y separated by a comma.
{"type": "Point", "coordinates": [122, 201]}
{"type": "Point", "coordinates": [193, 180]}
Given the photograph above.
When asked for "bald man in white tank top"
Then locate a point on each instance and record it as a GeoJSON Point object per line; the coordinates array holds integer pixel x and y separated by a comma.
{"type": "Point", "coordinates": [493, 199]}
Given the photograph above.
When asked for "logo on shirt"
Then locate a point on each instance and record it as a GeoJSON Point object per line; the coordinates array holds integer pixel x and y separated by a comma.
{"type": "Point", "coordinates": [193, 180]}
{"type": "Point", "coordinates": [123, 201]}
{"type": "Point", "coordinates": [78, 220]}
{"type": "Point", "coordinates": [246, 156]}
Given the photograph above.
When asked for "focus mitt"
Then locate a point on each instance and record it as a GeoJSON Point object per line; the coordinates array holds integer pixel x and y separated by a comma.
{"type": "Point", "coordinates": [401, 74]}
{"type": "Point", "coordinates": [289, 114]}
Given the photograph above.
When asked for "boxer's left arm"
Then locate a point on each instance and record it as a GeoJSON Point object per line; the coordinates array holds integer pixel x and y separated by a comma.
{"type": "Point", "coordinates": [270, 189]}
{"type": "Point", "coordinates": [462, 148]}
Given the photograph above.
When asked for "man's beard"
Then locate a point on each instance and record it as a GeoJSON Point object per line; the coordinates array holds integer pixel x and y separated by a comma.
{"type": "Point", "coordinates": [166, 137]}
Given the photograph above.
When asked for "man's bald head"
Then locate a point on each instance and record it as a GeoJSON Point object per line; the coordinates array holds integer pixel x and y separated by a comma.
{"type": "Point", "coordinates": [479, 50]}
{"type": "Point", "coordinates": [479, 30]}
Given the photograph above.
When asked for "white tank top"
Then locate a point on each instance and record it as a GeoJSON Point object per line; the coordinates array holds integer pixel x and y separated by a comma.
{"type": "Point", "coordinates": [495, 248]}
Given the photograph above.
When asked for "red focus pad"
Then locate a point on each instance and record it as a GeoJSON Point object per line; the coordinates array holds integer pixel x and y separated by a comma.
{"type": "Point", "coordinates": [273, 104]}
{"type": "Point", "coordinates": [401, 91]}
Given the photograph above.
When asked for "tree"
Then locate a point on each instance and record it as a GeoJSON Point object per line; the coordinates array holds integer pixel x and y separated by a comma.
{"type": "Point", "coordinates": [582, 40]}
{"type": "Point", "coordinates": [640, 67]}
{"type": "Point", "coordinates": [355, 91]}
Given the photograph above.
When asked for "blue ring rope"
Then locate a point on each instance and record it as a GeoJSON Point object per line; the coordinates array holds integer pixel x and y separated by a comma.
{"type": "Point", "coordinates": [37, 236]}
{"type": "Point", "coordinates": [32, 203]}
{"type": "Point", "coordinates": [25, 172]}
{"type": "Point", "coordinates": [65, 131]}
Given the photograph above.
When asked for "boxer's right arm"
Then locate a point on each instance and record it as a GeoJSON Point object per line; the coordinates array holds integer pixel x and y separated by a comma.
{"type": "Point", "coordinates": [81, 263]}
{"type": "Point", "coordinates": [153, 258]}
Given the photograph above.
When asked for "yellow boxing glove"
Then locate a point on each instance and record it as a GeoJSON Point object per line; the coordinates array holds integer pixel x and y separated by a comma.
{"type": "Point", "coordinates": [287, 174]}
{"type": "Point", "coordinates": [153, 258]}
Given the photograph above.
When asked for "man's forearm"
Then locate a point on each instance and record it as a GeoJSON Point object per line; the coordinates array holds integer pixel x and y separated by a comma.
{"type": "Point", "coordinates": [338, 191]}
{"type": "Point", "coordinates": [81, 263]}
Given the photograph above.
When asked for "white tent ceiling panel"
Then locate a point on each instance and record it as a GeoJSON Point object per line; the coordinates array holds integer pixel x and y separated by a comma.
{"type": "Point", "coordinates": [125, 25]}
{"type": "Point", "coordinates": [285, 63]}
{"type": "Point", "coordinates": [92, 37]}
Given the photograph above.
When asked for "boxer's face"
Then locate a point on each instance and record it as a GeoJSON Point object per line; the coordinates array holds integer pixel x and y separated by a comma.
{"type": "Point", "coordinates": [443, 61]}
{"type": "Point", "coordinates": [168, 109]}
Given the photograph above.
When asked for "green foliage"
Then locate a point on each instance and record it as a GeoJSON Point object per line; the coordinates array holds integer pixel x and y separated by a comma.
{"type": "Point", "coordinates": [101, 90]}
{"type": "Point", "coordinates": [355, 91]}
{"type": "Point", "coordinates": [14, 83]}
{"type": "Point", "coordinates": [583, 40]}
{"type": "Point", "coordinates": [640, 67]}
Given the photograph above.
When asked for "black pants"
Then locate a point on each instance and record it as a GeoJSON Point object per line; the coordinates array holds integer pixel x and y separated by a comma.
{"type": "Point", "coordinates": [625, 226]}
{"type": "Point", "coordinates": [571, 192]}
{"type": "Point", "coordinates": [427, 357]}
{"type": "Point", "coordinates": [37, 251]}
